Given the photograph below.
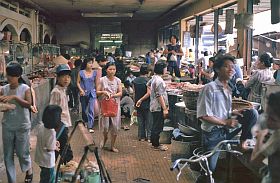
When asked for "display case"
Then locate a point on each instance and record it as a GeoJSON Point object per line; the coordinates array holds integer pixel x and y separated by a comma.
{"type": "Point", "coordinates": [15, 51]}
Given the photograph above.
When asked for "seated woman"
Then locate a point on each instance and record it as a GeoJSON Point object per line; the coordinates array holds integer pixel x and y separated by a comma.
{"type": "Point", "coordinates": [262, 74]}
{"type": "Point", "coordinates": [127, 105]}
{"type": "Point", "coordinates": [268, 144]}
{"type": "Point", "coordinates": [206, 76]}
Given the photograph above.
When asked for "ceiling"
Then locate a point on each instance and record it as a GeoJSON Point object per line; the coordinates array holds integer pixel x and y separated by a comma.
{"type": "Point", "coordinates": [141, 9]}
{"type": "Point", "coordinates": [263, 5]}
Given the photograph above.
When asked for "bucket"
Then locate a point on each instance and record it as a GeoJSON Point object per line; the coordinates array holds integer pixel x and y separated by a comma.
{"type": "Point", "coordinates": [93, 178]}
{"type": "Point", "coordinates": [165, 135]}
{"type": "Point", "coordinates": [181, 149]}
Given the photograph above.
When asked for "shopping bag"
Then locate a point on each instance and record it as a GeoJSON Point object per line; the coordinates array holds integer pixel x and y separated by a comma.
{"type": "Point", "coordinates": [109, 107]}
{"type": "Point", "coordinates": [173, 58]}
{"type": "Point", "coordinates": [133, 118]}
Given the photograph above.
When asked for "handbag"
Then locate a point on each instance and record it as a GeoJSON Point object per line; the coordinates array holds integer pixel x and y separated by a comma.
{"type": "Point", "coordinates": [109, 107]}
{"type": "Point", "coordinates": [173, 58]}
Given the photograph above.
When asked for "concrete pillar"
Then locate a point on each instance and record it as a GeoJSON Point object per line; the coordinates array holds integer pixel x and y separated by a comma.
{"type": "Point", "coordinates": [183, 28]}
{"type": "Point", "coordinates": [244, 36]}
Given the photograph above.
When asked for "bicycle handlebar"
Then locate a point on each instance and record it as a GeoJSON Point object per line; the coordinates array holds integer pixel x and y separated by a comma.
{"type": "Point", "coordinates": [203, 157]}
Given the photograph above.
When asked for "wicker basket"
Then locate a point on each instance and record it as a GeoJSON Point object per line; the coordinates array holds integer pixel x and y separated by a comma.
{"type": "Point", "coordinates": [190, 99]}
{"type": "Point", "coordinates": [238, 104]}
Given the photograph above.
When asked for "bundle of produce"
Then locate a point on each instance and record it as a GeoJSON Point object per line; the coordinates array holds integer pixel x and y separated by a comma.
{"type": "Point", "coordinates": [239, 104]}
{"type": "Point", "coordinates": [192, 87]}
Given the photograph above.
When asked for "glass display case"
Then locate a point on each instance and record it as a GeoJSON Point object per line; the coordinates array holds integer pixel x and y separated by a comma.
{"type": "Point", "coordinates": [34, 58]}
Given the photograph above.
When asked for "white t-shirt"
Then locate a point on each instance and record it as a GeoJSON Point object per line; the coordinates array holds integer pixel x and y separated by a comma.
{"type": "Point", "coordinates": [46, 140]}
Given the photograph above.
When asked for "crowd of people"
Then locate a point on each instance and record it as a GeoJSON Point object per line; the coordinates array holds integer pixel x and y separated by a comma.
{"type": "Point", "coordinates": [93, 81]}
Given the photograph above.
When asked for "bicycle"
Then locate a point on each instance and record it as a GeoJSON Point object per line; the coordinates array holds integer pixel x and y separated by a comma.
{"type": "Point", "coordinates": [202, 158]}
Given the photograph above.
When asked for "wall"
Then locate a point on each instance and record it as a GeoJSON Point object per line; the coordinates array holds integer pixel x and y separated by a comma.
{"type": "Point", "coordinates": [17, 22]}
{"type": "Point", "coordinates": [72, 32]}
{"type": "Point", "coordinates": [141, 36]}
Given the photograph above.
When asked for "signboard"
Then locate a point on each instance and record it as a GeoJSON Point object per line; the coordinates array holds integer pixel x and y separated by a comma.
{"type": "Point", "coordinates": [186, 39]}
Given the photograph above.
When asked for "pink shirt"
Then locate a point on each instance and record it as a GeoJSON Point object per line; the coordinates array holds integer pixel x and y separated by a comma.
{"type": "Point", "coordinates": [59, 97]}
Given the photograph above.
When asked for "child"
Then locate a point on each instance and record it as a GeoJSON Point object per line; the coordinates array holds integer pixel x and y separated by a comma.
{"type": "Point", "coordinates": [16, 124]}
{"type": "Point", "coordinates": [268, 144]}
{"type": "Point", "coordinates": [47, 144]}
{"type": "Point", "coordinates": [158, 104]}
{"type": "Point", "coordinates": [59, 97]}
{"type": "Point", "coordinates": [110, 86]}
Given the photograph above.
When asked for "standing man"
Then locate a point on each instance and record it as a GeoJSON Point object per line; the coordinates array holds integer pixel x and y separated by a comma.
{"type": "Point", "coordinates": [214, 109]}
{"type": "Point", "coordinates": [174, 53]}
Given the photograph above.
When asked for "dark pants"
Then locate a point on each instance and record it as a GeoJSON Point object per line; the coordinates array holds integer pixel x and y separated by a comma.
{"type": "Point", "coordinates": [47, 175]}
{"type": "Point", "coordinates": [144, 119]}
{"type": "Point", "coordinates": [74, 97]}
{"type": "Point", "coordinates": [87, 103]}
{"type": "Point", "coordinates": [173, 67]}
{"type": "Point", "coordinates": [63, 138]}
{"type": "Point", "coordinates": [158, 122]}
{"type": "Point", "coordinates": [211, 139]}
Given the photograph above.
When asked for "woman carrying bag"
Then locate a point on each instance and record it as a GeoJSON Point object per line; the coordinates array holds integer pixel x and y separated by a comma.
{"type": "Point", "coordinates": [110, 90]}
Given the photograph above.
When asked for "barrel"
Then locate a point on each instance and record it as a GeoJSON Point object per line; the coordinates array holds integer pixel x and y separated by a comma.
{"type": "Point", "coordinates": [190, 99]}
{"type": "Point", "coordinates": [181, 149]}
{"type": "Point", "coordinates": [165, 135]}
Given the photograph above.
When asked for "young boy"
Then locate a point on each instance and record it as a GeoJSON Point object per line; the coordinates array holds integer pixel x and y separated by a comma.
{"type": "Point", "coordinates": [47, 144]}
{"type": "Point", "coordinates": [59, 97]}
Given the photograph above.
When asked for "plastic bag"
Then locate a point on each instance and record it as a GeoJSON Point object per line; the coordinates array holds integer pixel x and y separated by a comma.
{"type": "Point", "coordinates": [109, 107]}
{"type": "Point", "coordinates": [173, 58]}
{"type": "Point", "coordinates": [133, 118]}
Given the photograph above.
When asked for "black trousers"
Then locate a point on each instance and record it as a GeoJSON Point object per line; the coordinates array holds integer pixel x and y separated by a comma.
{"type": "Point", "coordinates": [63, 141]}
{"type": "Point", "coordinates": [173, 67]}
{"type": "Point", "coordinates": [158, 122]}
{"type": "Point", "coordinates": [74, 97]}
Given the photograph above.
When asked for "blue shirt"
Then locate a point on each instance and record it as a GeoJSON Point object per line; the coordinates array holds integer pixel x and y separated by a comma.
{"type": "Point", "coordinates": [88, 83]}
{"type": "Point", "coordinates": [214, 100]}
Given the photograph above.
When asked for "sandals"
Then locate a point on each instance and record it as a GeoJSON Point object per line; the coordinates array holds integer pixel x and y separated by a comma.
{"type": "Point", "coordinates": [126, 127]}
{"type": "Point", "coordinates": [160, 148]}
{"type": "Point", "coordinates": [114, 150]}
{"type": "Point", "coordinates": [91, 130]}
{"type": "Point", "coordinates": [28, 178]}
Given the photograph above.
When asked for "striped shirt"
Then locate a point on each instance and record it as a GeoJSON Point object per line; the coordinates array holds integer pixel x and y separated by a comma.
{"type": "Point", "coordinates": [255, 83]}
{"type": "Point", "coordinates": [214, 100]}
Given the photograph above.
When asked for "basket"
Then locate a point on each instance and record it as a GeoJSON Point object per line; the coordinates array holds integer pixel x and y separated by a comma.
{"type": "Point", "coordinates": [238, 104]}
{"type": "Point", "coordinates": [190, 99]}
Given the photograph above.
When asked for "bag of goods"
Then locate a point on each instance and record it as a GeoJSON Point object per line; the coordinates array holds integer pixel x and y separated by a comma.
{"type": "Point", "coordinates": [109, 107]}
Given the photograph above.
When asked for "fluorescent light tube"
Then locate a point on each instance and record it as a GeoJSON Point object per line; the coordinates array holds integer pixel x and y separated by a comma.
{"type": "Point", "coordinates": [107, 15]}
